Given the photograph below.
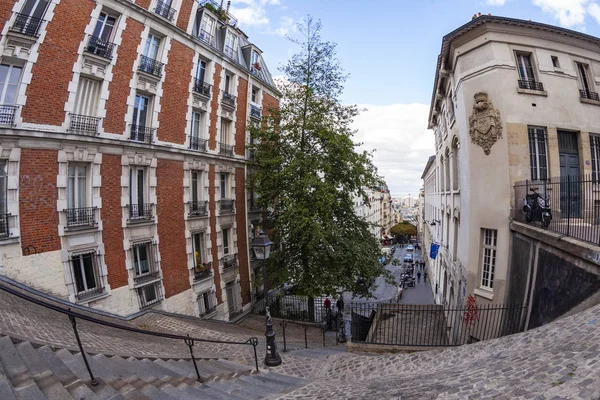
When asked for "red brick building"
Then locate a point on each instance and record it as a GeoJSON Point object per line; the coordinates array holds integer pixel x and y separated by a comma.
{"type": "Point", "coordinates": [123, 154]}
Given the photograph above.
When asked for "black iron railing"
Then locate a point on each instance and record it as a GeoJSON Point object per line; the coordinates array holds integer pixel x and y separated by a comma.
{"type": "Point", "coordinates": [4, 225]}
{"type": "Point", "coordinates": [84, 124]}
{"type": "Point", "coordinates": [574, 203]}
{"type": "Point", "coordinates": [74, 315]}
{"type": "Point", "coordinates": [87, 281]}
{"type": "Point", "coordinates": [78, 217]}
{"type": "Point", "coordinates": [7, 114]}
{"type": "Point", "coordinates": [198, 144]}
{"type": "Point", "coordinates": [297, 308]}
{"type": "Point", "coordinates": [100, 47]}
{"type": "Point", "coordinates": [255, 111]}
{"type": "Point", "coordinates": [226, 206]}
{"type": "Point", "coordinates": [26, 25]}
{"type": "Point", "coordinates": [202, 87]}
{"type": "Point", "coordinates": [226, 149]}
{"type": "Point", "coordinates": [149, 295]}
{"type": "Point", "coordinates": [230, 261]}
{"type": "Point", "coordinates": [230, 52]}
{"type": "Point", "coordinates": [151, 66]}
{"type": "Point", "coordinates": [587, 94]}
{"type": "Point", "coordinates": [221, 13]}
{"type": "Point", "coordinates": [164, 10]}
{"type": "Point", "coordinates": [531, 84]}
{"type": "Point", "coordinates": [142, 134]}
{"type": "Point", "coordinates": [205, 37]}
{"type": "Point", "coordinates": [433, 325]}
{"type": "Point", "coordinates": [198, 208]}
{"type": "Point", "coordinates": [228, 99]}
{"type": "Point", "coordinates": [202, 271]}
{"type": "Point", "coordinates": [140, 211]}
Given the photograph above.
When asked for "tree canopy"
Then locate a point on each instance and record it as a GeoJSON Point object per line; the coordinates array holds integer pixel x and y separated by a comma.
{"type": "Point", "coordinates": [404, 228]}
{"type": "Point", "coordinates": [307, 172]}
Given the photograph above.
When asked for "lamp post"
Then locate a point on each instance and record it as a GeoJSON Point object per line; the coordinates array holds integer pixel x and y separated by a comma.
{"type": "Point", "coordinates": [262, 250]}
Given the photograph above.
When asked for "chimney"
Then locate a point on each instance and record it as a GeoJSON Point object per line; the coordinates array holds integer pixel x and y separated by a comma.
{"type": "Point", "coordinates": [478, 14]}
{"type": "Point", "coordinates": [474, 16]}
{"type": "Point", "coordinates": [221, 6]}
{"type": "Point", "coordinates": [228, 5]}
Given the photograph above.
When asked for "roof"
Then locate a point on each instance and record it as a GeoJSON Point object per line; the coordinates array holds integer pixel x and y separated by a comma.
{"type": "Point", "coordinates": [483, 19]}
{"type": "Point", "coordinates": [429, 162]}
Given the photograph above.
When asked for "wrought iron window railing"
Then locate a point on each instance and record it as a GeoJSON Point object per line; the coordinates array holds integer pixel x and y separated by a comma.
{"type": "Point", "coordinates": [226, 206]}
{"type": "Point", "coordinates": [255, 111]}
{"type": "Point", "coordinates": [226, 149]}
{"type": "Point", "coordinates": [531, 84]}
{"type": "Point", "coordinates": [151, 66]}
{"type": "Point", "coordinates": [85, 275]}
{"type": "Point", "coordinates": [202, 87]}
{"type": "Point", "coordinates": [202, 271]}
{"type": "Point", "coordinates": [197, 143]}
{"type": "Point", "coordinates": [586, 94]}
{"type": "Point", "coordinates": [27, 25]}
{"type": "Point", "coordinates": [140, 211]}
{"type": "Point", "coordinates": [164, 10]}
{"type": "Point", "coordinates": [198, 208]}
{"type": "Point", "coordinates": [79, 217]}
{"type": "Point", "coordinates": [7, 114]}
{"type": "Point", "coordinates": [4, 225]}
{"type": "Point", "coordinates": [142, 134]}
{"type": "Point", "coordinates": [100, 47]}
{"type": "Point", "coordinates": [205, 36]}
{"type": "Point", "coordinates": [228, 99]}
{"type": "Point", "coordinates": [84, 124]}
{"type": "Point", "coordinates": [230, 52]}
{"type": "Point", "coordinates": [149, 295]}
{"type": "Point", "coordinates": [230, 261]}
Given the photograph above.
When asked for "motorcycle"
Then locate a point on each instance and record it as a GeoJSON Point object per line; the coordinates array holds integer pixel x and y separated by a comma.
{"type": "Point", "coordinates": [536, 208]}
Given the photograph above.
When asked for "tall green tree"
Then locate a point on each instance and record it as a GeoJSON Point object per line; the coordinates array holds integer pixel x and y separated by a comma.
{"type": "Point", "coordinates": [307, 171]}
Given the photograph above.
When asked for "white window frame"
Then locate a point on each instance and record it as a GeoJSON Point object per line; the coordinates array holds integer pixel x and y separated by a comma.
{"type": "Point", "coordinates": [207, 22]}
{"type": "Point", "coordinates": [7, 83]}
{"type": "Point", "coordinates": [534, 152]}
{"type": "Point", "coordinates": [223, 183]}
{"type": "Point", "coordinates": [101, 26]}
{"type": "Point", "coordinates": [230, 43]}
{"type": "Point", "coordinates": [583, 75]}
{"type": "Point", "coordinates": [3, 188]}
{"type": "Point", "coordinates": [489, 246]}
{"type": "Point", "coordinates": [88, 96]}
{"type": "Point", "coordinates": [201, 70]}
{"type": "Point", "coordinates": [136, 120]}
{"type": "Point", "coordinates": [595, 153]}
{"type": "Point", "coordinates": [133, 185]}
{"type": "Point", "coordinates": [152, 46]}
{"type": "Point", "coordinates": [522, 67]}
{"type": "Point", "coordinates": [255, 95]}
{"type": "Point", "coordinates": [211, 298]}
{"type": "Point", "coordinates": [137, 261]}
{"type": "Point", "coordinates": [197, 124]}
{"type": "Point", "coordinates": [73, 181]}
{"type": "Point", "coordinates": [36, 6]}
{"type": "Point", "coordinates": [78, 258]}
{"type": "Point", "coordinates": [201, 249]}
{"type": "Point", "coordinates": [198, 194]}
{"type": "Point", "coordinates": [225, 235]}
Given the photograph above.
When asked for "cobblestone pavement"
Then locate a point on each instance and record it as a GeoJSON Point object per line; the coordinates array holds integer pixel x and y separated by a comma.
{"type": "Point", "coordinates": [557, 361]}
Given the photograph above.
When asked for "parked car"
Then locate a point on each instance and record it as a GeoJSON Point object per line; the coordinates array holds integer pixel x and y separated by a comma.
{"type": "Point", "coordinates": [408, 258]}
{"type": "Point", "coordinates": [410, 248]}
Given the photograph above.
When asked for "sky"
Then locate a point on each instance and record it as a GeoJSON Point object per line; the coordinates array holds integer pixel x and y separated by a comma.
{"type": "Point", "coordinates": [390, 48]}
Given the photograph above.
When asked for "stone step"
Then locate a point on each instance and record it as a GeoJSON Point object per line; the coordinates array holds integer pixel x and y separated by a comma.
{"type": "Point", "coordinates": [23, 384]}
{"type": "Point", "coordinates": [6, 391]}
{"type": "Point", "coordinates": [175, 367]}
{"type": "Point", "coordinates": [157, 368]}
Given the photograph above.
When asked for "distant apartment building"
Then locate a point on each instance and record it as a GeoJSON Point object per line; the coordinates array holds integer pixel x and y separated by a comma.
{"type": "Point", "coordinates": [377, 210]}
{"type": "Point", "coordinates": [515, 107]}
{"type": "Point", "coordinates": [123, 130]}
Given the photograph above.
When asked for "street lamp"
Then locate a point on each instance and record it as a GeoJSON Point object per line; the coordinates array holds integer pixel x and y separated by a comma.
{"type": "Point", "coordinates": [262, 250]}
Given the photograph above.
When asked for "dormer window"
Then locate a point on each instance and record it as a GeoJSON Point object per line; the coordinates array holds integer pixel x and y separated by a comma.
{"type": "Point", "coordinates": [204, 29]}
{"type": "Point", "coordinates": [230, 45]}
{"type": "Point", "coordinates": [254, 62]}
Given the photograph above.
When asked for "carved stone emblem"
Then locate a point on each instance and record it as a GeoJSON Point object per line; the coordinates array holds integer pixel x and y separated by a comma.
{"type": "Point", "coordinates": [485, 126]}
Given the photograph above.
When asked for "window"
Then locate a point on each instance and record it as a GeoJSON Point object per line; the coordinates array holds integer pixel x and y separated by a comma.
{"type": "Point", "coordinates": [455, 164]}
{"type": "Point", "coordinates": [225, 233]}
{"type": "Point", "coordinates": [35, 8]}
{"type": "Point", "coordinates": [555, 62]}
{"type": "Point", "coordinates": [587, 90]}
{"type": "Point", "coordinates": [76, 186]}
{"type": "Point", "coordinates": [455, 241]}
{"type": "Point", "coordinates": [196, 186]}
{"type": "Point", "coordinates": [225, 126]}
{"type": "Point", "coordinates": [3, 189]}
{"type": "Point", "coordinates": [206, 28]}
{"type": "Point", "coordinates": [224, 186]}
{"type": "Point", "coordinates": [149, 294]}
{"type": "Point", "coordinates": [201, 71]}
{"type": "Point", "coordinates": [152, 46]}
{"type": "Point", "coordinates": [227, 83]}
{"type": "Point", "coordinates": [140, 111]}
{"type": "Point", "coordinates": [197, 118]}
{"type": "Point", "coordinates": [255, 94]}
{"type": "Point", "coordinates": [489, 237]}
{"type": "Point", "coordinates": [138, 194]}
{"type": "Point", "coordinates": [537, 153]}
{"type": "Point", "coordinates": [199, 253]}
{"type": "Point", "coordinates": [86, 277]}
{"type": "Point", "coordinates": [142, 261]}
{"type": "Point", "coordinates": [595, 149]}
{"type": "Point", "coordinates": [230, 45]}
{"type": "Point", "coordinates": [207, 302]}
{"type": "Point", "coordinates": [254, 59]}
{"type": "Point", "coordinates": [525, 67]}
{"type": "Point", "coordinates": [10, 76]}
{"type": "Point", "coordinates": [88, 93]}
{"type": "Point", "coordinates": [105, 27]}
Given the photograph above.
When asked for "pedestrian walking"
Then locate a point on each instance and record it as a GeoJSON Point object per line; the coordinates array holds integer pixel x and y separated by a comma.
{"type": "Point", "coordinates": [425, 276]}
{"type": "Point", "coordinates": [418, 276]}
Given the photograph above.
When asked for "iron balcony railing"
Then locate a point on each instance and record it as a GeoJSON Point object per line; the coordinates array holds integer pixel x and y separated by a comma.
{"type": "Point", "coordinates": [228, 99]}
{"type": "Point", "coordinates": [140, 211]}
{"type": "Point", "coordinates": [586, 94]}
{"type": "Point", "coordinates": [230, 52]}
{"type": "Point", "coordinates": [100, 47]}
{"type": "Point", "coordinates": [79, 217]}
{"type": "Point", "coordinates": [142, 134]}
{"type": "Point", "coordinates": [254, 71]}
{"type": "Point", "coordinates": [149, 295]}
{"type": "Point", "coordinates": [226, 206]}
{"type": "Point", "coordinates": [531, 84]}
{"type": "Point", "coordinates": [27, 25]}
{"type": "Point", "coordinates": [198, 208]}
{"type": "Point", "coordinates": [574, 203]}
{"type": "Point", "coordinates": [230, 261]}
{"type": "Point", "coordinates": [84, 124]}
{"type": "Point", "coordinates": [7, 114]}
{"type": "Point", "coordinates": [202, 271]}
{"type": "Point", "coordinates": [87, 282]}
{"type": "Point", "coordinates": [151, 66]}
{"type": "Point", "coordinates": [255, 111]}
{"type": "Point", "coordinates": [202, 87]}
{"type": "Point", "coordinates": [198, 144]}
{"type": "Point", "coordinates": [4, 225]}
{"type": "Point", "coordinates": [164, 10]}
{"type": "Point", "coordinates": [221, 13]}
{"type": "Point", "coordinates": [205, 37]}
{"type": "Point", "coordinates": [226, 149]}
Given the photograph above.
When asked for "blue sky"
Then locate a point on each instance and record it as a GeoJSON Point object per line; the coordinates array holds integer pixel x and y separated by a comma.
{"type": "Point", "coordinates": [389, 48]}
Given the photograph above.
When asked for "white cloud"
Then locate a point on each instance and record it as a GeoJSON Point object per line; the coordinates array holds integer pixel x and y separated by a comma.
{"type": "Point", "coordinates": [286, 25]}
{"type": "Point", "coordinates": [569, 13]}
{"type": "Point", "coordinates": [594, 10]}
{"type": "Point", "coordinates": [254, 13]}
{"type": "Point", "coordinates": [398, 133]}
{"type": "Point", "coordinates": [495, 2]}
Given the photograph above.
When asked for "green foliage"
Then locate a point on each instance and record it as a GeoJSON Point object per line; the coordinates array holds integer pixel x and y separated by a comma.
{"type": "Point", "coordinates": [307, 172]}
{"type": "Point", "coordinates": [404, 228]}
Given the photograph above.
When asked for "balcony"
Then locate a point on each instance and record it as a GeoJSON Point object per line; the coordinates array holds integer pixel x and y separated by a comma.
{"type": "Point", "coordinates": [198, 208]}
{"type": "Point", "coordinates": [230, 52]}
{"type": "Point", "coordinates": [4, 226]}
{"type": "Point", "coordinates": [586, 94]}
{"type": "Point", "coordinates": [202, 88]}
{"type": "Point", "coordinates": [7, 114]}
{"type": "Point", "coordinates": [142, 134]}
{"type": "Point", "coordinates": [226, 149]}
{"type": "Point", "coordinates": [81, 217]}
{"type": "Point", "coordinates": [531, 84]}
{"type": "Point", "coordinates": [222, 14]}
{"type": "Point", "coordinates": [255, 112]}
{"type": "Point", "coordinates": [226, 206]}
{"type": "Point", "coordinates": [228, 100]}
{"type": "Point", "coordinates": [27, 25]}
{"type": "Point", "coordinates": [100, 47]}
{"type": "Point", "coordinates": [202, 271]}
{"type": "Point", "coordinates": [84, 125]}
{"type": "Point", "coordinates": [165, 11]}
{"type": "Point", "coordinates": [205, 37]}
{"type": "Point", "coordinates": [198, 144]}
{"type": "Point", "coordinates": [139, 212]}
{"type": "Point", "coordinates": [151, 66]}
{"type": "Point", "coordinates": [230, 262]}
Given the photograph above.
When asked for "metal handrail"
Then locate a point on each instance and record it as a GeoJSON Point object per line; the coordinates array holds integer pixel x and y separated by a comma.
{"type": "Point", "coordinates": [73, 315]}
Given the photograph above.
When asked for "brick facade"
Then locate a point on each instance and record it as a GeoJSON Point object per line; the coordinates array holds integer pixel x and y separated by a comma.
{"type": "Point", "coordinates": [269, 102]}
{"type": "Point", "coordinates": [48, 91]}
{"type": "Point", "coordinates": [37, 200]}
{"type": "Point", "coordinates": [171, 227]}
{"type": "Point", "coordinates": [214, 104]}
{"type": "Point", "coordinates": [213, 229]}
{"type": "Point", "coordinates": [241, 119]}
{"type": "Point", "coordinates": [111, 220]}
{"type": "Point", "coordinates": [5, 9]}
{"type": "Point", "coordinates": [143, 3]}
{"type": "Point", "coordinates": [176, 90]}
{"type": "Point", "coordinates": [242, 235]}
{"type": "Point", "coordinates": [185, 12]}
{"type": "Point", "coordinates": [116, 106]}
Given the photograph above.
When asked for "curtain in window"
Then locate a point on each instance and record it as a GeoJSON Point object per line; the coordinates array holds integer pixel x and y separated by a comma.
{"type": "Point", "coordinates": [88, 93]}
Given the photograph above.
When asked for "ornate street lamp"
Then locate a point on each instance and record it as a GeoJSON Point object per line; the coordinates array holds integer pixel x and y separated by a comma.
{"type": "Point", "coordinates": [262, 250]}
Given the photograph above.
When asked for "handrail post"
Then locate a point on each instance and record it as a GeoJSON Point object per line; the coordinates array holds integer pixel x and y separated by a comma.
{"type": "Point", "coordinates": [305, 338]}
{"type": "Point", "coordinates": [323, 330]}
{"type": "Point", "coordinates": [94, 382]}
{"type": "Point", "coordinates": [190, 344]}
{"type": "Point", "coordinates": [283, 325]}
{"type": "Point", "coordinates": [254, 342]}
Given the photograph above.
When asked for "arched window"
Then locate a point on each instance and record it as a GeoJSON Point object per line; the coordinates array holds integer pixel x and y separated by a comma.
{"type": "Point", "coordinates": [447, 170]}
{"type": "Point", "coordinates": [455, 163]}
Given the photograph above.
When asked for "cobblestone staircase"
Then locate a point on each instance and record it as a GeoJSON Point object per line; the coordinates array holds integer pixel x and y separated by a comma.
{"type": "Point", "coordinates": [31, 373]}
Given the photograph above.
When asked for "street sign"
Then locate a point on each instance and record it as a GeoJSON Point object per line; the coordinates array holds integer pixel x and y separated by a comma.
{"type": "Point", "coordinates": [434, 250]}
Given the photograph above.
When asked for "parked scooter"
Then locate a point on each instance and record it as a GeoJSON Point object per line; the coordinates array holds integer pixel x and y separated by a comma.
{"type": "Point", "coordinates": [536, 208]}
